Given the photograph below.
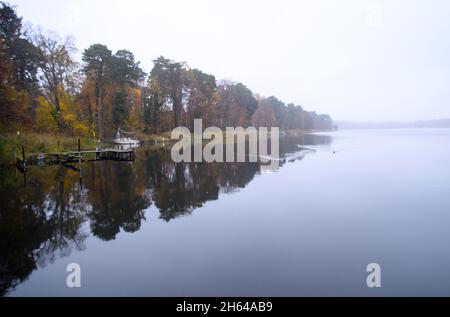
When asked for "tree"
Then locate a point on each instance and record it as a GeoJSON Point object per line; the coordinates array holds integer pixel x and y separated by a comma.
{"type": "Point", "coordinates": [153, 103]}
{"type": "Point", "coordinates": [166, 76]}
{"type": "Point", "coordinates": [200, 95]}
{"type": "Point", "coordinates": [97, 59]}
{"type": "Point", "coordinates": [20, 52]}
{"type": "Point", "coordinates": [19, 60]}
{"type": "Point", "coordinates": [278, 112]}
{"type": "Point", "coordinates": [57, 69]}
{"type": "Point", "coordinates": [264, 117]}
{"type": "Point", "coordinates": [237, 105]}
{"type": "Point", "coordinates": [125, 69]}
{"type": "Point", "coordinates": [127, 76]}
{"type": "Point", "coordinates": [42, 88]}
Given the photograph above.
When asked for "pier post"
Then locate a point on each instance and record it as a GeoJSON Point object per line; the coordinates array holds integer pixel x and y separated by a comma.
{"type": "Point", "coordinates": [23, 154]}
{"type": "Point", "coordinates": [79, 152]}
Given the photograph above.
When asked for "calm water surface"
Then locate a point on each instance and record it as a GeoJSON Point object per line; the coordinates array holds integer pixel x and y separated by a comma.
{"type": "Point", "coordinates": [155, 228]}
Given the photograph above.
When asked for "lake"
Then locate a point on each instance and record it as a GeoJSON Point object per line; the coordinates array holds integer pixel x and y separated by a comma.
{"type": "Point", "coordinates": [156, 228]}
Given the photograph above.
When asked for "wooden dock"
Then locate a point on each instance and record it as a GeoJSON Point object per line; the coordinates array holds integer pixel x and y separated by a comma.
{"type": "Point", "coordinates": [65, 158]}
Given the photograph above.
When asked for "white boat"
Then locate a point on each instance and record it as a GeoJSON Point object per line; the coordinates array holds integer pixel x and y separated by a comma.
{"type": "Point", "coordinates": [126, 141]}
{"type": "Point", "coordinates": [119, 140]}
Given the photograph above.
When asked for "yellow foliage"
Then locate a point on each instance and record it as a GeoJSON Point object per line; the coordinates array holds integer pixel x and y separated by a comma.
{"type": "Point", "coordinates": [70, 119]}
{"type": "Point", "coordinates": [134, 121]}
{"type": "Point", "coordinates": [80, 129]}
{"type": "Point", "coordinates": [44, 118]}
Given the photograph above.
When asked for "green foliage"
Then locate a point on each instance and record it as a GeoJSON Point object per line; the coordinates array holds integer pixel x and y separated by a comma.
{"type": "Point", "coordinates": [166, 75]}
{"type": "Point", "coordinates": [96, 59]}
{"type": "Point", "coordinates": [19, 60]}
{"type": "Point", "coordinates": [125, 70]}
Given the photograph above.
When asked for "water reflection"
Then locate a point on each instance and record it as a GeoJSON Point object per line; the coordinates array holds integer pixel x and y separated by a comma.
{"type": "Point", "coordinates": [54, 209]}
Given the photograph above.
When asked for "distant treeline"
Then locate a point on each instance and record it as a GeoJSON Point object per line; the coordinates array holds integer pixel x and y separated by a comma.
{"type": "Point", "coordinates": [43, 88]}
{"type": "Point", "coordinates": [440, 123]}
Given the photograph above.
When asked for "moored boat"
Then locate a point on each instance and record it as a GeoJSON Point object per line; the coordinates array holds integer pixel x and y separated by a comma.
{"type": "Point", "coordinates": [121, 140]}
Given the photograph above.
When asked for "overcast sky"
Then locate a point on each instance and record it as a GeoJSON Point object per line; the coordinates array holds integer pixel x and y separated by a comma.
{"type": "Point", "coordinates": [365, 60]}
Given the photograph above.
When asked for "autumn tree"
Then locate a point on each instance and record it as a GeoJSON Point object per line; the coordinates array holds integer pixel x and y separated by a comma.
{"type": "Point", "coordinates": [295, 117]}
{"type": "Point", "coordinates": [57, 69]}
{"type": "Point", "coordinates": [237, 105]}
{"type": "Point", "coordinates": [264, 116]}
{"type": "Point", "coordinates": [201, 96]}
{"type": "Point", "coordinates": [43, 88]}
{"type": "Point", "coordinates": [272, 112]}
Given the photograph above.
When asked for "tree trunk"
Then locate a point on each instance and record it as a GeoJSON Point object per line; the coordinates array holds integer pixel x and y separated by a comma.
{"type": "Point", "coordinates": [59, 120]}
{"type": "Point", "coordinates": [177, 100]}
{"type": "Point", "coordinates": [100, 113]}
{"type": "Point", "coordinates": [175, 114]}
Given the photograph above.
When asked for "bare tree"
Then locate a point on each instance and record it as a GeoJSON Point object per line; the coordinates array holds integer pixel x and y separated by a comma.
{"type": "Point", "coordinates": [57, 69]}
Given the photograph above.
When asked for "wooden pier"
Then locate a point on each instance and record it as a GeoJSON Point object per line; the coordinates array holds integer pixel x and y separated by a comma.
{"type": "Point", "coordinates": [65, 158]}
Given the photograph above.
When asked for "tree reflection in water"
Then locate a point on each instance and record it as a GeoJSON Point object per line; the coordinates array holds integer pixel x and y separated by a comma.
{"type": "Point", "coordinates": [51, 214]}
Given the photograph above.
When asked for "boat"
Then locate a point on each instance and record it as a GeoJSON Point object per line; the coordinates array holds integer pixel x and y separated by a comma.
{"type": "Point", "coordinates": [121, 140]}
{"type": "Point", "coordinates": [126, 141]}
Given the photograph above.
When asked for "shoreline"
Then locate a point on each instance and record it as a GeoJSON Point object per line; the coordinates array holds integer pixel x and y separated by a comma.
{"type": "Point", "coordinates": [37, 143]}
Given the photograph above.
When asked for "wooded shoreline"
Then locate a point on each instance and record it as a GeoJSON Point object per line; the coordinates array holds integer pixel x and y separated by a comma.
{"type": "Point", "coordinates": [46, 92]}
{"type": "Point", "coordinates": [35, 143]}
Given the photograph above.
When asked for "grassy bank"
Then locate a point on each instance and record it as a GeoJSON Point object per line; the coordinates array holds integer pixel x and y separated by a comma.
{"type": "Point", "coordinates": [36, 143]}
{"type": "Point", "coordinates": [10, 144]}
